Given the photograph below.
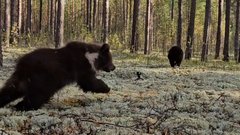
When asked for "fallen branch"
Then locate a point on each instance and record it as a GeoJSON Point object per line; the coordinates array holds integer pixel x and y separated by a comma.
{"type": "Point", "coordinates": [90, 120]}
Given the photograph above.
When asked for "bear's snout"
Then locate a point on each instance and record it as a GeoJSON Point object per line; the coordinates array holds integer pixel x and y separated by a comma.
{"type": "Point", "coordinates": [101, 90]}
{"type": "Point", "coordinates": [112, 68]}
{"type": "Point", "coordinates": [109, 69]}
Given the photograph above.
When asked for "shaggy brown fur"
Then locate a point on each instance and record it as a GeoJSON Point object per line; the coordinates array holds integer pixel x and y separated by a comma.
{"type": "Point", "coordinates": [41, 73]}
{"type": "Point", "coordinates": [175, 56]}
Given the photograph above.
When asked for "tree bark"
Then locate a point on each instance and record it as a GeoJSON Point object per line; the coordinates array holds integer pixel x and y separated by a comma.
{"type": "Point", "coordinates": [51, 20]}
{"type": "Point", "coordinates": [40, 15]}
{"type": "Point", "coordinates": [226, 38]}
{"type": "Point", "coordinates": [172, 9]}
{"type": "Point", "coordinates": [60, 24]}
{"type": "Point", "coordinates": [129, 19]}
{"type": "Point", "coordinates": [99, 18]}
{"type": "Point", "coordinates": [48, 16]}
{"type": "Point", "coordinates": [206, 31]}
{"type": "Point", "coordinates": [148, 28]}
{"type": "Point", "coordinates": [124, 4]}
{"type": "Point", "coordinates": [105, 20]}
{"type": "Point", "coordinates": [95, 2]}
{"type": "Point", "coordinates": [19, 18]}
{"type": "Point", "coordinates": [1, 55]}
{"type": "Point", "coordinates": [12, 9]}
{"type": "Point", "coordinates": [179, 26]}
{"type": "Point", "coordinates": [218, 40]}
{"type": "Point", "coordinates": [23, 26]}
{"type": "Point", "coordinates": [12, 21]}
{"type": "Point", "coordinates": [134, 41]}
{"type": "Point", "coordinates": [89, 15]}
{"type": "Point", "coordinates": [73, 24]}
{"type": "Point", "coordinates": [7, 21]}
{"type": "Point", "coordinates": [55, 19]}
{"type": "Point", "coordinates": [236, 37]}
{"type": "Point", "coordinates": [29, 16]}
{"type": "Point", "coordinates": [190, 38]}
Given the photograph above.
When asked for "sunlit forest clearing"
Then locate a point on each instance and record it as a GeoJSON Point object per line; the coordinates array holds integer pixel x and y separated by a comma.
{"type": "Point", "coordinates": [200, 97]}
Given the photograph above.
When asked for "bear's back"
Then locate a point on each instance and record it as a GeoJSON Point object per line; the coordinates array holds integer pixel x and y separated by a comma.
{"type": "Point", "coordinates": [175, 51]}
{"type": "Point", "coordinates": [83, 47]}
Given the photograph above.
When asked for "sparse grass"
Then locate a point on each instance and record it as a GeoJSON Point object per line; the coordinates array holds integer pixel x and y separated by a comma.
{"type": "Point", "coordinates": [159, 60]}
{"type": "Point", "coordinates": [212, 64]}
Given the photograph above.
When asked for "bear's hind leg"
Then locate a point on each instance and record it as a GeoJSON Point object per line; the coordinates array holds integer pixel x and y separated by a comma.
{"type": "Point", "coordinates": [42, 88]}
{"type": "Point", "coordinates": [37, 96]}
{"type": "Point", "coordinates": [32, 102]}
{"type": "Point", "coordinates": [9, 93]}
{"type": "Point", "coordinates": [172, 63]}
{"type": "Point", "coordinates": [178, 62]}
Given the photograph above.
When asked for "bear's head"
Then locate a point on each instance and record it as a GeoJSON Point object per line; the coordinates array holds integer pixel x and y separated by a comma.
{"type": "Point", "coordinates": [99, 57]}
{"type": "Point", "coordinates": [105, 59]}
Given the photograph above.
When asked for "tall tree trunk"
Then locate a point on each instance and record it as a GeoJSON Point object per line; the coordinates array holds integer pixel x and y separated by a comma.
{"type": "Point", "coordinates": [129, 18]}
{"type": "Point", "coordinates": [83, 11]}
{"type": "Point", "coordinates": [29, 16]}
{"type": "Point", "coordinates": [72, 25]}
{"type": "Point", "coordinates": [124, 21]}
{"type": "Point", "coordinates": [48, 17]}
{"type": "Point", "coordinates": [60, 24]}
{"type": "Point", "coordinates": [134, 41]}
{"type": "Point", "coordinates": [190, 38]}
{"type": "Point", "coordinates": [179, 26]}
{"type": "Point", "coordinates": [1, 54]}
{"type": "Point", "coordinates": [7, 21]}
{"type": "Point", "coordinates": [95, 2]}
{"type": "Point", "coordinates": [19, 18]}
{"type": "Point", "coordinates": [105, 20]}
{"type": "Point", "coordinates": [218, 40]}
{"type": "Point", "coordinates": [148, 28]}
{"type": "Point", "coordinates": [172, 9]}
{"type": "Point", "coordinates": [4, 15]}
{"type": "Point", "coordinates": [55, 19]}
{"type": "Point", "coordinates": [226, 38]}
{"type": "Point", "coordinates": [12, 21]}
{"type": "Point", "coordinates": [89, 15]}
{"type": "Point", "coordinates": [23, 17]}
{"type": "Point", "coordinates": [237, 33]}
{"type": "Point", "coordinates": [51, 19]}
{"type": "Point", "coordinates": [172, 23]}
{"type": "Point", "coordinates": [206, 31]}
{"type": "Point", "coordinates": [40, 15]}
{"type": "Point", "coordinates": [236, 37]}
{"type": "Point", "coordinates": [99, 18]}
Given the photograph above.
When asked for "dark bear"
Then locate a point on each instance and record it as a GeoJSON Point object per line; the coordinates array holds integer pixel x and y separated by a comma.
{"type": "Point", "coordinates": [175, 56]}
{"type": "Point", "coordinates": [41, 73]}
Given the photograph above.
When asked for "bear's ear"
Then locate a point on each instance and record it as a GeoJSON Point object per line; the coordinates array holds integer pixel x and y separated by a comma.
{"type": "Point", "coordinates": [105, 48]}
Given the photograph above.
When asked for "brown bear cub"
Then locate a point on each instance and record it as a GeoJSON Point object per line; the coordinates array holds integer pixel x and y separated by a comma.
{"type": "Point", "coordinates": [175, 56]}
{"type": "Point", "coordinates": [41, 73]}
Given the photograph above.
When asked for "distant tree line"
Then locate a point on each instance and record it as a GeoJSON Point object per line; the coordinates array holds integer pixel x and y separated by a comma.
{"type": "Point", "coordinates": [202, 28]}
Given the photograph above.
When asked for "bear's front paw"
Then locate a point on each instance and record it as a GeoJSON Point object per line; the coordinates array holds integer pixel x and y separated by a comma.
{"type": "Point", "coordinates": [105, 90]}
{"type": "Point", "coordinates": [95, 85]}
{"type": "Point", "coordinates": [100, 90]}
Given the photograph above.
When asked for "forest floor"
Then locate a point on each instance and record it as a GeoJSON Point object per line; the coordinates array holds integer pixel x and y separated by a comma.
{"type": "Point", "coordinates": [195, 99]}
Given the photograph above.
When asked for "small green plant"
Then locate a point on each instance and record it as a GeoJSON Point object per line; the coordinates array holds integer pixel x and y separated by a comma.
{"type": "Point", "coordinates": [14, 35]}
{"type": "Point", "coordinates": [115, 42]}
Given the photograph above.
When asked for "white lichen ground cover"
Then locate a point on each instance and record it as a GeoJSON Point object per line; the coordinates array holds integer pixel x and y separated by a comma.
{"type": "Point", "coordinates": [177, 101]}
